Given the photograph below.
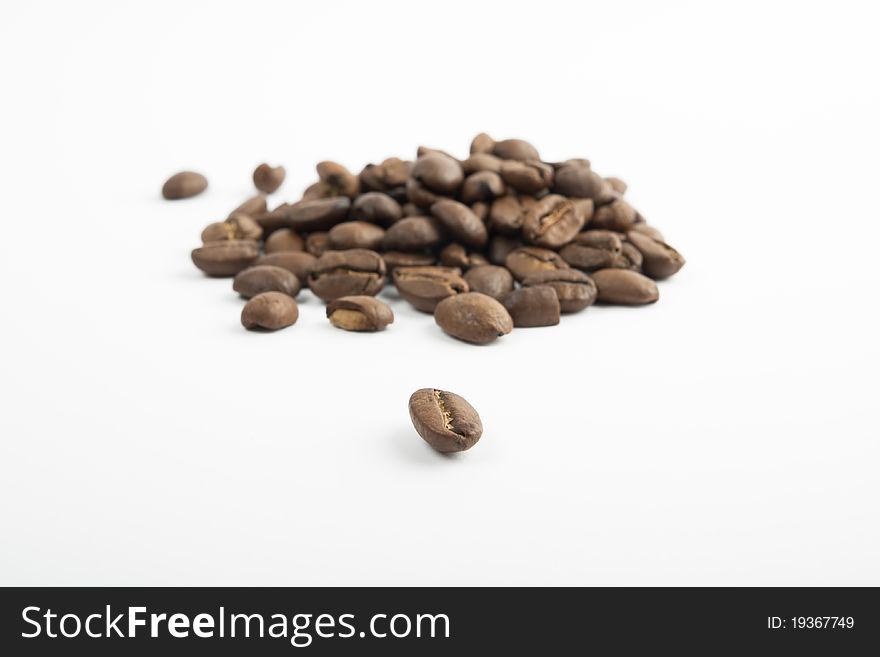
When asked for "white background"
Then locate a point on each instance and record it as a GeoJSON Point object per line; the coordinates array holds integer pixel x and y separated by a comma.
{"type": "Point", "coordinates": [726, 435]}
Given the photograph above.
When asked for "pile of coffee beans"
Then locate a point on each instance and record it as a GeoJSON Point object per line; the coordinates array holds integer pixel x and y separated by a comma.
{"type": "Point", "coordinates": [498, 240]}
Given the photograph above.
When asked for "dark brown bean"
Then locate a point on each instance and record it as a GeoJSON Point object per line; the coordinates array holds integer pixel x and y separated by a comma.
{"type": "Point", "coordinates": [528, 260]}
{"type": "Point", "coordinates": [592, 250]}
{"type": "Point", "coordinates": [321, 214]}
{"type": "Point", "coordinates": [552, 222]}
{"type": "Point", "coordinates": [425, 287]}
{"type": "Point", "coordinates": [500, 246]}
{"type": "Point", "coordinates": [359, 313]}
{"type": "Point", "coordinates": [185, 184]}
{"type": "Point", "coordinates": [226, 257]}
{"type": "Point", "coordinates": [298, 263]}
{"type": "Point", "coordinates": [577, 180]}
{"type": "Point", "coordinates": [482, 143]}
{"type": "Point", "coordinates": [461, 223]}
{"type": "Point", "coordinates": [482, 186]}
{"type": "Point", "coordinates": [237, 227]}
{"type": "Point", "coordinates": [413, 234]}
{"type": "Point", "coordinates": [641, 227]}
{"type": "Point", "coordinates": [283, 239]}
{"type": "Point", "coordinates": [395, 259]}
{"type": "Point", "coordinates": [659, 260]}
{"type": "Point", "coordinates": [419, 195]}
{"type": "Point", "coordinates": [392, 172]}
{"type": "Point", "coordinates": [377, 208]}
{"type": "Point", "coordinates": [617, 215]}
{"type": "Point", "coordinates": [473, 317]}
{"type": "Point", "coordinates": [515, 149]}
{"type": "Point", "coordinates": [455, 255]}
{"type": "Point", "coordinates": [439, 173]}
{"type": "Point", "coordinates": [347, 273]}
{"type": "Point", "coordinates": [265, 278]}
{"type": "Point", "coordinates": [529, 177]}
{"type": "Point", "coordinates": [444, 420]}
{"type": "Point", "coordinates": [272, 221]}
{"type": "Point", "coordinates": [625, 287]}
{"type": "Point", "coordinates": [254, 207]}
{"type": "Point", "coordinates": [269, 310]}
{"type": "Point", "coordinates": [481, 162]}
{"type": "Point", "coordinates": [491, 280]}
{"type": "Point", "coordinates": [339, 180]}
{"type": "Point", "coordinates": [628, 258]}
{"type": "Point", "coordinates": [574, 288]}
{"type": "Point", "coordinates": [267, 178]}
{"type": "Point", "coordinates": [356, 235]}
{"type": "Point", "coordinates": [507, 214]}
{"type": "Point", "coordinates": [532, 306]}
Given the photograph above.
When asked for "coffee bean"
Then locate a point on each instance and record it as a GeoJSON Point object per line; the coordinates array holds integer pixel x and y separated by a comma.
{"type": "Point", "coordinates": [265, 278]}
{"type": "Point", "coordinates": [580, 181]}
{"type": "Point", "coordinates": [419, 195]}
{"type": "Point", "coordinates": [574, 288]}
{"type": "Point", "coordinates": [641, 227]}
{"type": "Point", "coordinates": [184, 185]}
{"type": "Point", "coordinates": [421, 151]}
{"type": "Point", "coordinates": [339, 180]}
{"type": "Point", "coordinates": [268, 179]}
{"type": "Point", "coordinates": [628, 258]}
{"type": "Point", "coordinates": [413, 210]}
{"type": "Point", "coordinates": [552, 222]}
{"type": "Point", "coordinates": [515, 149]}
{"type": "Point", "coordinates": [438, 173]}
{"type": "Point", "coordinates": [254, 207]}
{"type": "Point", "coordinates": [317, 191]}
{"type": "Point", "coordinates": [482, 186]}
{"type": "Point", "coordinates": [270, 221]}
{"type": "Point", "coordinates": [617, 215]}
{"type": "Point", "coordinates": [473, 317]}
{"type": "Point", "coordinates": [528, 177]}
{"type": "Point", "coordinates": [347, 273]}
{"type": "Point", "coordinates": [455, 255]}
{"type": "Point", "coordinates": [392, 172]}
{"type": "Point", "coordinates": [532, 306]}
{"type": "Point", "coordinates": [425, 287]}
{"type": "Point", "coordinates": [283, 239]}
{"type": "Point", "coordinates": [359, 313]}
{"type": "Point", "coordinates": [395, 259]}
{"type": "Point", "coordinates": [528, 260]}
{"type": "Point", "coordinates": [616, 184]}
{"type": "Point", "coordinates": [507, 214]}
{"type": "Point", "coordinates": [298, 263]}
{"type": "Point", "coordinates": [444, 420]}
{"type": "Point", "coordinates": [482, 143]}
{"type": "Point", "coordinates": [460, 221]}
{"type": "Point", "coordinates": [225, 257]}
{"type": "Point", "coordinates": [237, 227]}
{"type": "Point", "coordinates": [625, 287]}
{"type": "Point", "coordinates": [321, 214]}
{"type": "Point", "coordinates": [659, 260]}
{"type": "Point", "coordinates": [413, 234]}
{"type": "Point", "coordinates": [318, 242]}
{"type": "Point", "coordinates": [481, 210]}
{"type": "Point", "coordinates": [377, 208]}
{"type": "Point", "coordinates": [481, 162]}
{"type": "Point", "coordinates": [356, 235]}
{"type": "Point", "coordinates": [269, 310]}
{"type": "Point", "coordinates": [491, 280]}
{"type": "Point", "coordinates": [592, 249]}
{"type": "Point", "coordinates": [500, 246]}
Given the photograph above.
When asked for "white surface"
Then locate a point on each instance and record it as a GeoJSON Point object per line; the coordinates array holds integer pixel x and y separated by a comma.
{"type": "Point", "coordinates": [726, 435]}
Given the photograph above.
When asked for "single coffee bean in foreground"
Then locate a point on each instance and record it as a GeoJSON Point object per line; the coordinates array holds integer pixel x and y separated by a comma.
{"type": "Point", "coordinates": [267, 178]}
{"type": "Point", "coordinates": [532, 306]}
{"type": "Point", "coordinates": [347, 273]}
{"type": "Point", "coordinates": [473, 317]}
{"type": "Point", "coordinates": [574, 288]}
{"type": "Point", "coordinates": [425, 287]}
{"type": "Point", "coordinates": [359, 313]}
{"type": "Point", "coordinates": [265, 278]}
{"type": "Point", "coordinates": [444, 420]}
{"type": "Point", "coordinates": [625, 287]}
{"type": "Point", "coordinates": [226, 257]}
{"type": "Point", "coordinates": [269, 310]}
{"type": "Point", "coordinates": [184, 185]}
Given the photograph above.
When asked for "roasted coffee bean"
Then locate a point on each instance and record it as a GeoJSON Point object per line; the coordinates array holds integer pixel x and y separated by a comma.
{"type": "Point", "coordinates": [532, 306]}
{"type": "Point", "coordinates": [339, 180]}
{"type": "Point", "coordinates": [225, 257]}
{"type": "Point", "coordinates": [283, 239]}
{"type": "Point", "coordinates": [592, 249]}
{"type": "Point", "coordinates": [413, 210]}
{"type": "Point", "coordinates": [395, 259]}
{"type": "Point", "coordinates": [473, 317]}
{"type": "Point", "coordinates": [419, 195]}
{"type": "Point", "coordinates": [500, 246]}
{"type": "Point", "coordinates": [489, 279]}
{"type": "Point", "coordinates": [425, 287]}
{"type": "Point", "coordinates": [481, 210]}
{"type": "Point", "coordinates": [455, 255]}
{"type": "Point", "coordinates": [659, 260]}
{"type": "Point", "coordinates": [377, 208]}
{"type": "Point", "coordinates": [552, 222]}
{"type": "Point", "coordinates": [481, 162]}
{"type": "Point", "coordinates": [392, 172]}
{"type": "Point", "coordinates": [265, 278]}
{"type": "Point", "coordinates": [318, 215]}
{"type": "Point", "coordinates": [317, 191]}
{"type": "Point", "coordinates": [584, 207]}
{"type": "Point", "coordinates": [528, 177]}
{"type": "Point", "coordinates": [298, 263]}
{"type": "Point", "coordinates": [237, 227]}
{"type": "Point", "coordinates": [346, 273]}
{"type": "Point", "coordinates": [318, 242]}
{"type": "Point", "coordinates": [641, 227]}
{"type": "Point", "coordinates": [359, 313]}
{"type": "Point", "coordinates": [528, 260]}
{"type": "Point", "coordinates": [577, 180]}
{"type": "Point", "coordinates": [616, 184]}
{"type": "Point", "coordinates": [461, 223]}
{"type": "Point", "coordinates": [482, 186]}
{"type": "Point", "coordinates": [269, 310]}
{"type": "Point", "coordinates": [421, 151]}
{"type": "Point", "coordinates": [617, 215]}
{"type": "Point", "coordinates": [437, 172]}
{"type": "Point", "coordinates": [482, 143]}
{"type": "Point", "coordinates": [413, 234]}
{"type": "Point", "coordinates": [356, 235]}
{"type": "Point", "coordinates": [184, 185]}
{"type": "Point", "coordinates": [574, 288]}
{"type": "Point", "coordinates": [515, 149]}
{"type": "Point", "coordinates": [625, 287]}
{"type": "Point", "coordinates": [272, 221]}
{"type": "Point", "coordinates": [507, 214]}
{"type": "Point", "coordinates": [268, 179]}
{"type": "Point", "coordinates": [444, 420]}
{"type": "Point", "coordinates": [628, 258]}
{"type": "Point", "coordinates": [254, 207]}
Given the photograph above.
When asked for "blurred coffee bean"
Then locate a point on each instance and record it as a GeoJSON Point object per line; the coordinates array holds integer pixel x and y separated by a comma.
{"type": "Point", "coordinates": [339, 180]}
{"type": "Point", "coordinates": [413, 234]}
{"type": "Point", "coordinates": [298, 263]}
{"type": "Point", "coordinates": [500, 247]}
{"type": "Point", "coordinates": [461, 223]}
{"type": "Point", "coordinates": [269, 310]}
{"type": "Point", "coordinates": [184, 185]}
{"type": "Point", "coordinates": [283, 239]}
{"type": "Point", "coordinates": [395, 259]}
{"type": "Point", "coordinates": [528, 177]}
{"type": "Point", "coordinates": [237, 227]}
{"type": "Point", "coordinates": [625, 287]}
{"type": "Point", "coordinates": [617, 215]}
{"type": "Point", "coordinates": [225, 257]}
{"type": "Point", "coordinates": [321, 214]}
{"type": "Point", "coordinates": [377, 208]}
{"type": "Point", "coordinates": [482, 186]}
{"type": "Point", "coordinates": [491, 280]}
{"type": "Point", "coordinates": [659, 260]}
{"type": "Point", "coordinates": [481, 162]}
{"type": "Point", "coordinates": [515, 149]}
{"type": "Point", "coordinates": [265, 278]}
{"type": "Point", "coordinates": [253, 207]}
{"type": "Point", "coordinates": [267, 178]}
{"type": "Point", "coordinates": [318, 242]}
{"type": "Point", "coordinates": [356, 235]}
{"type": "Point", "coordinates": [438, 173]}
